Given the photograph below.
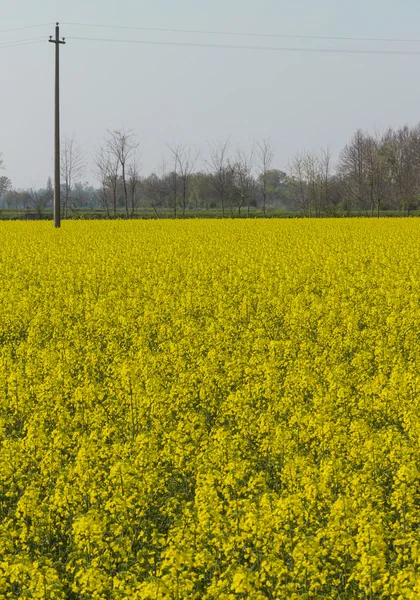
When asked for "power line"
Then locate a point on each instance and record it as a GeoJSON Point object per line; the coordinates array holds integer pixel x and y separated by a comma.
{"type": "Point", "coordinates": [28, 43]}
{"type": "Point", "coordinates": [250, 34]}
{"type": "Point", "coordinates": [26, 27]}
{"type": "Point", "coordinates": [21, 41]}
{"type": "Point", "coordinates": [37, 40]}
{"type": "Point", "coordinates": [224, 33]}
{"type": "Point", "coordinates": [258, 48]}
{"type": "Point", "coordinates": [21, 44]}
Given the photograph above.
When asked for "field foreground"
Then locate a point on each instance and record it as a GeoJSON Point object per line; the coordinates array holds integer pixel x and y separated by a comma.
{"type": "Point", "coordinates": [210, 410]}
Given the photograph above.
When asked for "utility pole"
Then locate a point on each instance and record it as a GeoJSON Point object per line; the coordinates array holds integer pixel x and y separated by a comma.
{"type": "Point", "coordinates": [57, 201]}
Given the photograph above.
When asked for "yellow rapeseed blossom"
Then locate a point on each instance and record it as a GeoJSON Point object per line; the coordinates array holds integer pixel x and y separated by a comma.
{"type": "Point", "coordinates": [210, 410]}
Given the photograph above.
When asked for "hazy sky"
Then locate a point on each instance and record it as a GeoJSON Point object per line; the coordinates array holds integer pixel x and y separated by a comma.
{"type": "Point", "coordinates": [195, 95]}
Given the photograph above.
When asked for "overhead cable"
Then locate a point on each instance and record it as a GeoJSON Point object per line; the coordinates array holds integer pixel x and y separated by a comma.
{"type": "Point", "coordinates": [252, 48]}
{"type": "Point", "coordinates": [26, 27]}
{"type": "Point", "coordinates": [27, 43]}
{"type": "Point", "coordinates": [246, 34]}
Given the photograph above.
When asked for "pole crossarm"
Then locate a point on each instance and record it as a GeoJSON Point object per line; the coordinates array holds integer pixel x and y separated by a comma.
{"type": "Point", "coordinates": [57, 36]}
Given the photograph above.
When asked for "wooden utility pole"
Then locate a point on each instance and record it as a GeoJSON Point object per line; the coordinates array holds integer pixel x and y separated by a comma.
{"type": "Point", "coordinates": [57, 201]}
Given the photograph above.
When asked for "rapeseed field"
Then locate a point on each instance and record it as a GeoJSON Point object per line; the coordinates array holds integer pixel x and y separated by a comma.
{"type": "Point", "coordinates": [210, 410]}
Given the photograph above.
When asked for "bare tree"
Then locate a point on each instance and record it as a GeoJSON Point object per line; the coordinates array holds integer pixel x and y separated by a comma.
{"type": "Point", "coordinates": [412, 171]}
{"type": "Point", "coordinates": [133, 180]}
{"type": "Point", "coordinates": [183, 161]}
{"type": "Point", "coordinates": [363, 170]}
{"type": "Point", "coordinates": [352, 169]}
{"type": "Point", "coordinates": [265, 157]}
{"type": "Point", "coordinates": [168, 185]}
{"type": "Point", "coordinates": [38, 200]}
{"type": "Point", "coordinates": [156, 193]}
{"type": "Point", "coordinates": [16, 200]}
{"type": "Point", "coordinates": [49, 192]}
{"type": "Point", "coordinates": [298, 183]}
{"type": "Point", "coordinates": [244, 180]}
{"type": "Point", "coordinates": [106, 171]}
{"type": "Point", "coordinates": [325, 175]}
{"type": "Point", "coordinates": [5, 184]}
{"type": "Point", "coordinates": [82, 194]}
{"type": "Point", "coordinates": [401, 150]}
{"type": "Point", "coordinates": [219, 165]}
{"type": "Point", "coordinates": [378, 177]}
{"type": "Point", "coordinates": [310, 177]}
{"type": "Point", "coordinates": [73, 167]}
{"type": "Point", "coordinates": [101, 174]}
{"type": "Point", "coordinates": [121, 145]}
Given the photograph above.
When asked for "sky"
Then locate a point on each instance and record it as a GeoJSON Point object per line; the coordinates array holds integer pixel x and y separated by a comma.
{"type": "Point", "coordinates": [196, 95]}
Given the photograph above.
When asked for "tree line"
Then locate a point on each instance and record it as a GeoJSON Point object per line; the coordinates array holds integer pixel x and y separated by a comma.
{"type": "Point", "coordinates": [375, 172]}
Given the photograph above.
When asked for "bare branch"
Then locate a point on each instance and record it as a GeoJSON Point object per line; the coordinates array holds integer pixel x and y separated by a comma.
{"type": "Point", "coordinates": [265, 157]}
{"type": "Point", "coordinates": [122, 145]}
{"type": "Point", "coordinates": [73, 167]}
